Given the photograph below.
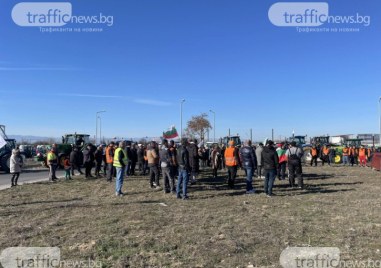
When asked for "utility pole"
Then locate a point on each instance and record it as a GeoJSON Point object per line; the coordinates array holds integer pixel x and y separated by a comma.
{"type": "Point", "coordinates": [96, 125]}
{"type": "Point", "coordinates": [100, 129]}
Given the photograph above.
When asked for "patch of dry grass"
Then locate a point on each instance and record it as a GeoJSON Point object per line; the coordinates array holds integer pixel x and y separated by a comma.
{"type": "Point", "coordinates": [217, 227]}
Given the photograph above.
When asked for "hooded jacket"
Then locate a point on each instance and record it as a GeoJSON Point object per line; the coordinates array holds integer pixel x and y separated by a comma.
{"type": "Point", "coordinates": [15, 162]}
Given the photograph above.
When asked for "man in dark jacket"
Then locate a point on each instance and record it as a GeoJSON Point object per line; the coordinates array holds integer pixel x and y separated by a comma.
{"type": "Point", "coordinates": [129, 156]}
{"type": "Point", "coordinates": [88, 160]}
{"type": "Point", "coordinates": [294, 156]}
{"type": "Point", "coordinates": [133, 159]}
{"type": "Point", "coordinates": [173, 156]}
{"type": "Point", "coordinates": [332, 155]}
{"type": "Point", "coordinates": [141, 160]}
{"type": "Point", "coordinates": [269, 162]}
{"type": "Point", "coordinates": [165, 164]}
{"type": "Point", "coordinates": [98, 160]}
{"type": "Point", "coordinates": [249, 163]}
{"type": "Point", "coordinates": [75, 161]}
{"type": "Point", "coordinates": [193, 160]}
{"type": "Point", "coordinates": [184, 167]}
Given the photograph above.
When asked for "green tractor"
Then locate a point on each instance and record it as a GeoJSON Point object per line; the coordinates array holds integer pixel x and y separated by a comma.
{"type": "Point", "coordinates": [321, 141]}
{"type": "Point", "coordinates": [69, 141]}
{"type": "Point", "coordinates": [348, 143]}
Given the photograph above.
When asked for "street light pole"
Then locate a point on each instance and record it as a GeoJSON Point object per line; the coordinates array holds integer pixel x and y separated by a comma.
{"type": "Point", "coordinates": [214, 125]}
{"type": "Point", "coordinates": [96, 125]}
{"type": "Point", "coordinates": [100, 129]}
{"type": "Point", "coordinates": [181, 119]}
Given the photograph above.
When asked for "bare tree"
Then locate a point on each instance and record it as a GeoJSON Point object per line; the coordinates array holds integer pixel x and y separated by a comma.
{"type": "Point", "coordinates": [198, 126]}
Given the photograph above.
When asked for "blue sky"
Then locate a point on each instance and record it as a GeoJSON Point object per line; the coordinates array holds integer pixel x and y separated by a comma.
{"type": "Point", "coordinates": [221, 55]}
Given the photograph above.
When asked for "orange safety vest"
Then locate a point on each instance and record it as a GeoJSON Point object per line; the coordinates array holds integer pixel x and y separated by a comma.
{"type": "Point", "coordinates": [362, 152]}
{"type": "Point", "coordinates": [109, 158]}
{"type": "Point", "coordinates": [313, 152]}
{"type": "Point", "coordinates": [326, 151]}
{"type": "Point", "coordinates": [230, 159]}
{"type": "Point", "coordinates": [345, 151]}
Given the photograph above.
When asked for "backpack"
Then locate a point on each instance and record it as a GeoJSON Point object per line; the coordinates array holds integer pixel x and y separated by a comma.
{"type": "Point", "coordinates": [293, 158]}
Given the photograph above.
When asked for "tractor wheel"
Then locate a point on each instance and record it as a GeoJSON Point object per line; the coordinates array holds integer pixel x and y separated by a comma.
{"type": "Point", "coordinates": [61, 160]}
{"type": "Point", "coordinates": [6, 163]}
{"type": "Point", "coordinates": [306, 155]}
{"type": "Point", "coordinates": [338, 159]}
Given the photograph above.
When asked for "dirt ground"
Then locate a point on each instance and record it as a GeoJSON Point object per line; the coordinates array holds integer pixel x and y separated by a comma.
{"type": "Point", "coordinates": [216, 227]}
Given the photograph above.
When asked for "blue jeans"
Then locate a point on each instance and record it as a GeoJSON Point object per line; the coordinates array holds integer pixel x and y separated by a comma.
{"type": "Point", "coordinates": [119, 179]}
{"type": "Point", "coordinates": [249, 178]}
{"type": "Point", "coordinates": [183, 179]}
{"type": "Point", "coordinates": [345, 160]}
{"type": "Point", "coordinates": [269, 180]}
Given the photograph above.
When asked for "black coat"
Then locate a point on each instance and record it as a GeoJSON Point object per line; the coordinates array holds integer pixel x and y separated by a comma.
{"type": "Point", "coordinates": [183, 158]}
{"type": "Point", "coordinates": [140, 154]}
{"type": "Point", "coordinates": [269, 158]}
{"type": "Point", "coordinates": [193, 157]}
{"type": "Point", "coordinates": [134, 155]}
{"type": "Point", "coordinates": [98, 156]}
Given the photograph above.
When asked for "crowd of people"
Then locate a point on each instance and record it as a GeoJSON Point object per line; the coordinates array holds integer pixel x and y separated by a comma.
{"type": "Point", "coordinates": [171, 161]}
{"type": "Point", "coordinates": [351, 155]}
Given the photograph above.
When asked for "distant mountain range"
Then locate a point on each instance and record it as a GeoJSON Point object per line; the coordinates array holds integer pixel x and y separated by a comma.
{"type": "Point", "coordinates": [20, 139]}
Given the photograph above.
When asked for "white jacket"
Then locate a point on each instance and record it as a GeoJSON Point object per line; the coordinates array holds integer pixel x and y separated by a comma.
{"type": "Point", "coordinates": [15, 165]}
